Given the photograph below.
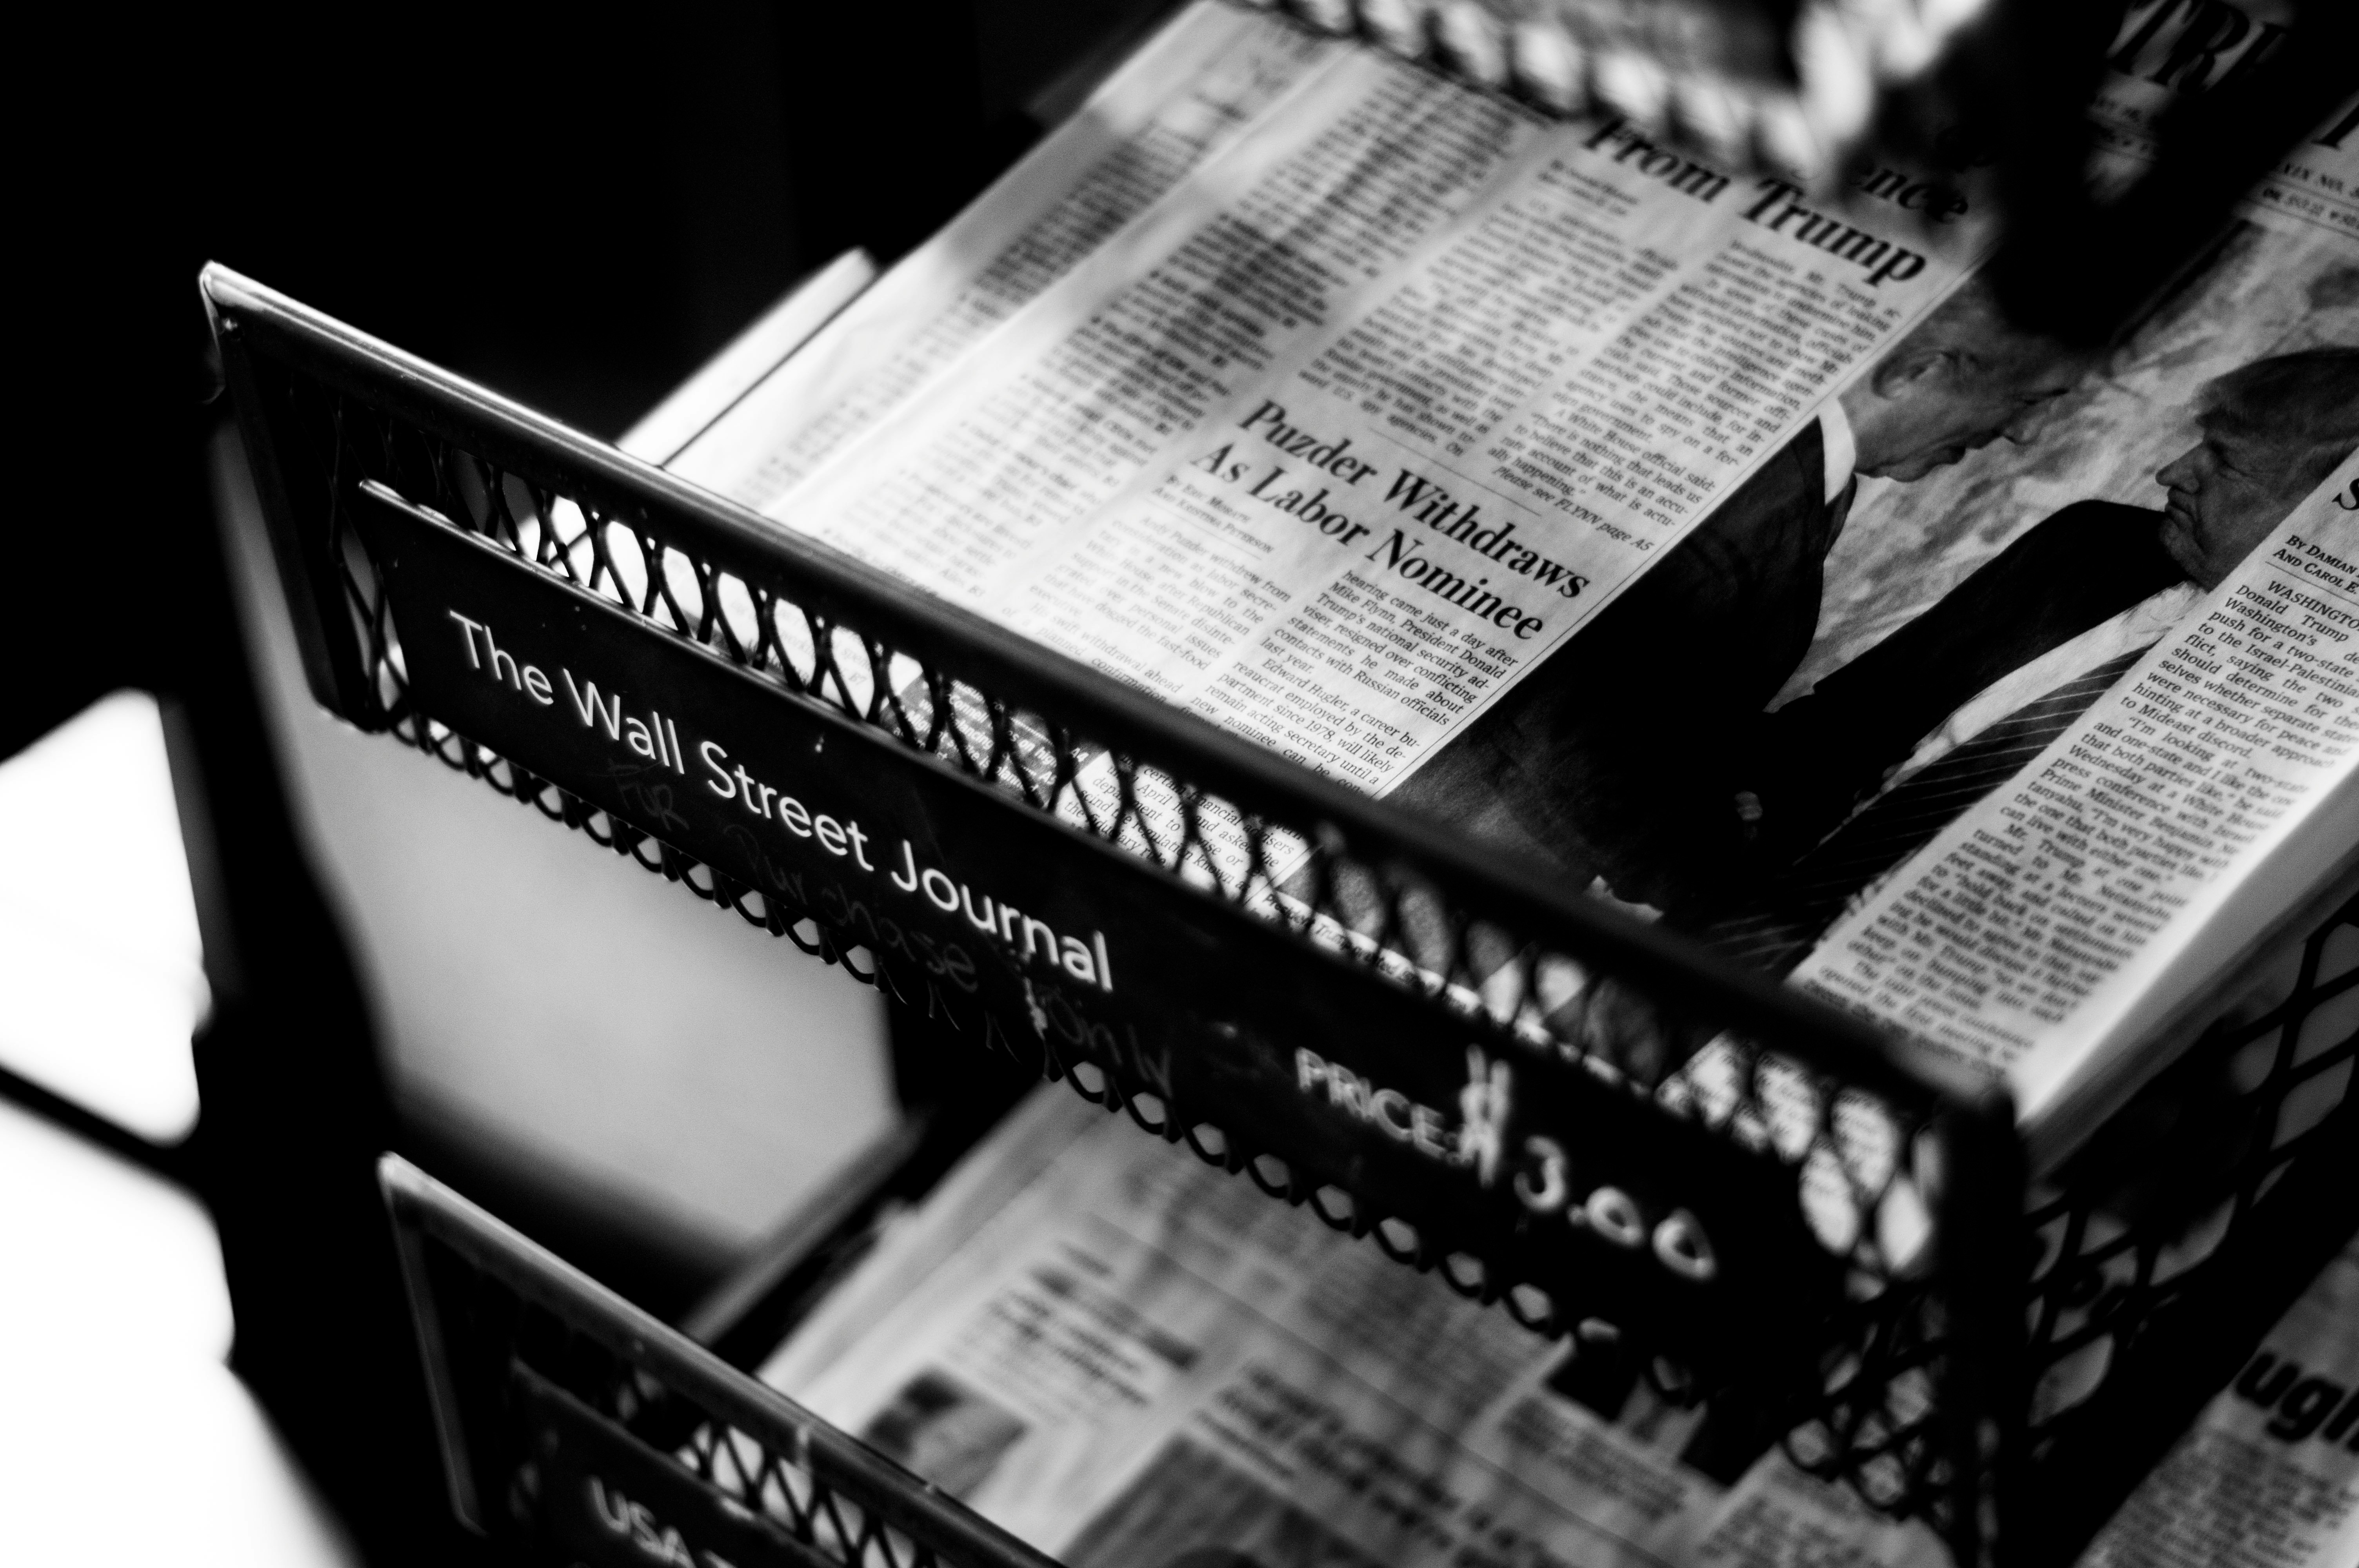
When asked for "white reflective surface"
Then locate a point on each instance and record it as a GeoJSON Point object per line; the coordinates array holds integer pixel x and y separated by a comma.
{"type": "Point", "coordinates": [102, 978]}
{"type": "Point", "coordinates": [123, 1437]}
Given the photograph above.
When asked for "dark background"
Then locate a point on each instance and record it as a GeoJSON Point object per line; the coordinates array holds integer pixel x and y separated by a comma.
{"type": "Point", "coordinates": [579, 206]}
{"type": "Point", "coordinates": [574, 207]}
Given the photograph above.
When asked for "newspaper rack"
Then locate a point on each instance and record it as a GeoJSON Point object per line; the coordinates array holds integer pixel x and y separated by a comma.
{"type": "Point", "coordinates": [1475, 1070]}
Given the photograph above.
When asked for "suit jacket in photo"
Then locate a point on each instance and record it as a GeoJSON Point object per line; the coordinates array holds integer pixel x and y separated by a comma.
{"type": "Point", "coordinates": [1817, 756]}
{"type": "Point", "coordinates": [1616, 756]}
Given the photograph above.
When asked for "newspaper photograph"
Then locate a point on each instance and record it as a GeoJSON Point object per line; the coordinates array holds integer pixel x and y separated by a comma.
{"type": "Point", "coordinates": [1830, 631]}
{"type": "Point", "coordinates": [1127, 1357]}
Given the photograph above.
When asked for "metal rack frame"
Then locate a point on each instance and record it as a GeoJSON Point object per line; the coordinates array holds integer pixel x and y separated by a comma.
{"type": "Point", "coordinates": [1243, 955]}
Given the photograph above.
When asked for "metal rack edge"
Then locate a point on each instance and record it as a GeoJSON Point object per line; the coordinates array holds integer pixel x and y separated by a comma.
{"type": "Point", "coordinates": [420, 1207]}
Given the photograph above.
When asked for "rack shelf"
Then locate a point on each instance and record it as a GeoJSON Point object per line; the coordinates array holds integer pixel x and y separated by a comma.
{"type": "Point", "coordinates": [1431, 1046]}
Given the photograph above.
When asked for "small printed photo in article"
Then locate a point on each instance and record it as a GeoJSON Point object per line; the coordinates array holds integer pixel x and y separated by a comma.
{"type": "Point", "coordinates": [944, 1432]}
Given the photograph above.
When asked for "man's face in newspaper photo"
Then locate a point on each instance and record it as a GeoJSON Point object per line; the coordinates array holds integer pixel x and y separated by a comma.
{"type": "Point", "coordinates": [1963, 378]}
{"type": "Point", "coordinates": [2272, 430]}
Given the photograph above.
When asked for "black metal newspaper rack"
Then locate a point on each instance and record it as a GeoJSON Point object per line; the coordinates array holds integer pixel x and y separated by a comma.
{"type": "Point", "coordinates": [1827, 1236]}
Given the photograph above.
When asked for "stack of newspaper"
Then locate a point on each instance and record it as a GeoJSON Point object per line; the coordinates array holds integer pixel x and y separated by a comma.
{"type": "Point", "coordinates": [1710, 538]}
{"type": "Point", "coordinates": [1133, 1360]}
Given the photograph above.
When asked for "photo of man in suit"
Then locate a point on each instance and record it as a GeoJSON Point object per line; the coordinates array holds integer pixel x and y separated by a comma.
{"type": "Point", "coordinates": [1954, 703]}
{"type": "Point", "coordinates": [1611, 761]}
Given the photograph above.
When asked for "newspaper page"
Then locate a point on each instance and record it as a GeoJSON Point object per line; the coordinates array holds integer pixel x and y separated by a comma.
{"type": "Point", "coordinates": [1206, 78]}
{"type": "Point", "coordinates": [1130, 1358]}
{"type": "Point", "coordinates": [2268, 1476]}
{"type": "Point", "coordinates": [1376, 408]}
{"type": "Point", "coordinates": [2057, 911]}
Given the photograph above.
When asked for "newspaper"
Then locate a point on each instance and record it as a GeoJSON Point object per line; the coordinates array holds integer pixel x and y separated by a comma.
{"type": "Point", "coordinates": [1129, 1358]}
{"type": "Point", "coordinates": [1565, 487]}
{"type": "Point", "coordinates": [2269, 1477]}
{"type": "Point", "coordinates": [1376, 408]}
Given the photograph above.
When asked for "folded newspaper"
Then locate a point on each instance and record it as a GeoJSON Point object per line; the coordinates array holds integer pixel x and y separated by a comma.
{"type": "Point", "coordinates": [1712, 542]}
{"type": "Point", "coordinates": [1133, 1360]}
